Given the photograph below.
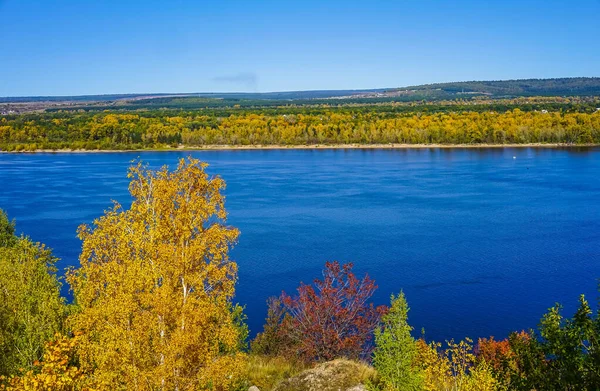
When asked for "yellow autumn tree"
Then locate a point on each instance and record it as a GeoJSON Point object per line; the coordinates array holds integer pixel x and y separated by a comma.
{"type": "Point", "coordinates": [155, 286]}
{"type": "Point", "coordinates": [453, 368]}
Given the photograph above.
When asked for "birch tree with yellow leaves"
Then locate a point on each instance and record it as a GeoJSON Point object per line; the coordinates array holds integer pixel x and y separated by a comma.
{"type": "Point", "coordinates": [156, 284]}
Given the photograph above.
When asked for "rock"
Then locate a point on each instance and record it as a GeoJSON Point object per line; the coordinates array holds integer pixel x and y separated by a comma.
{"type": "Point", "coordinates": [360, 387]}
{"type": "Point", "coordinates": [337, 375]}
{"type": "Point", "coordinates": [253, 388]}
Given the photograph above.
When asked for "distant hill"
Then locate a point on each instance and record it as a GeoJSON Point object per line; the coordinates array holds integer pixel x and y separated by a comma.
{"type": "Point", "coordinates": [76, 98]}
{"type": "Point", "coordinates": [576, 86]}
{"type": "Point", "coordinates": [495, 89]}
{"type": "Point", "coordinates": [283, 95]}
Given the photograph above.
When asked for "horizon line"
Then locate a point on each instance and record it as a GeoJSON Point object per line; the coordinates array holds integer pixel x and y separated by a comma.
{"type": "Point", "coordinates": [125, 94]}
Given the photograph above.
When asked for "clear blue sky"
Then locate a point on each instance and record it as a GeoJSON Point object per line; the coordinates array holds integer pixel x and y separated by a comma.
{"type": "Point", "coordinates": [80, 47]}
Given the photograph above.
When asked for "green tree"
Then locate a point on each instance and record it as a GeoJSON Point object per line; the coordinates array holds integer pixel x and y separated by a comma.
{"type": "Point", "coordinates": [572, 346]}
{"type": "Point", "coordinates": [395, 351]}
{"type": "Point", "coordinates": [273, 339]}
{"type": "Point", "coordinates": [531, 366]}
{"type": "Point", "coordinates": [564, 354]}
{"type": "Point", "coordinates": [7, 231]}
{"type": "Point", "coordinates": [31, 309]}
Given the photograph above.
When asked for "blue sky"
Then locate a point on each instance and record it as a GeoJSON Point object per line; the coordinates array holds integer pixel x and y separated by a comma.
{"type": "Point", "coordinates": [76, 47]}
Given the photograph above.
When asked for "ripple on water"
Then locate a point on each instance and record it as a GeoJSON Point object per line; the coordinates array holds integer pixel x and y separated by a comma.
{"type": "Point", "coordinates": [481, 243]}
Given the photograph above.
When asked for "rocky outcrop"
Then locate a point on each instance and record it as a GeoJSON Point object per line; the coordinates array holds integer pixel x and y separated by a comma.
{"type": "Point", "coordinates": [337, 375]}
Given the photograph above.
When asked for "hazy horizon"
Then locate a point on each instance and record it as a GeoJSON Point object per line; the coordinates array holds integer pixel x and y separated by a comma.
{"type": "Point", "coordinates": [275, 92]}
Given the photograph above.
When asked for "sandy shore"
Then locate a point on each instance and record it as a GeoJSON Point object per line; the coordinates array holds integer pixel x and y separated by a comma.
{"type": "Point", "coordinates": [311, 146]}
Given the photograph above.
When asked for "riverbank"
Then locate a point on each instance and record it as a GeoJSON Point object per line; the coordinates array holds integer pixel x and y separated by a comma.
{"type": "Point", "coordinates": [311, 146]}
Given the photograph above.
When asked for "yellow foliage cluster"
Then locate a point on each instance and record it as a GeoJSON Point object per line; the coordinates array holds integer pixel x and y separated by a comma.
{"type": "Point", "coordinates": [453, 368]}
{"type": "Point", "coordinates": [155, 286]}
{"type": "Point", "coordinates": [55, 373]}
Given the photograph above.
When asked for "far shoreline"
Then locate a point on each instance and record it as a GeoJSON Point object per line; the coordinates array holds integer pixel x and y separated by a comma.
{"type": "Point", "coordinates": [225, 147]}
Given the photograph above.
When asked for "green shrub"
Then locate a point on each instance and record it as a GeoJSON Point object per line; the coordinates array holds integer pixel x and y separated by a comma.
{"type": "Point", "coordinates": [32, 310]}
{"type": "Point", "coordinates": [395, 351]}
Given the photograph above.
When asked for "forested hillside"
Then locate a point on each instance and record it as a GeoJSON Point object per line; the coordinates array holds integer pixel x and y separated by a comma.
{"type": "Point", "coordinates": [512, 88]}
{"type": "Point", "coordinates": [498, 89]}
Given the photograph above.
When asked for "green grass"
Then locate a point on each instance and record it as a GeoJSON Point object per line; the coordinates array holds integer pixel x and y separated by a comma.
{"type": "Point", "coordinates": [265, 372]}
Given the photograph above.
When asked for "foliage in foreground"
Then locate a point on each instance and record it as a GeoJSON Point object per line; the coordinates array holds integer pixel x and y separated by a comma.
{"type": "Point", "coordinates": [564, 353]}
{"type": "Point", "coordinates": [57, 372]}
{"type": "Point", "coordinates": [395, 351]}
{"type": "Point", "coordinates": [329, 319]}
{"type": "Point", "coordinates": [453, 368]}
{"type": "Point", "coordinates": [31, 308]}
{"type": "Point", "coordinates": [7, 230]}
{"type": "Point", "coordinates": [155, 286]}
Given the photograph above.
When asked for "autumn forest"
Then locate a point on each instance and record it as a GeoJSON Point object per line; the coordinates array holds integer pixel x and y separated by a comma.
{"type": "Point", "coordinates": [535, 120]}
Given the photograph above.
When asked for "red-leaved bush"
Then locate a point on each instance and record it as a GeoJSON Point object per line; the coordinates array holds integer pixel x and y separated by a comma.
{"type": "Point", "coordinates": [508, 366]}
{"type": "Point", "coordinates": [328, 319]}
{"type": "Point", "coordinates": [497, 354]}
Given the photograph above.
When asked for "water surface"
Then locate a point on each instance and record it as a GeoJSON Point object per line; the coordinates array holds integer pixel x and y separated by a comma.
{"type": "Point", "coordinates": [482, 241]}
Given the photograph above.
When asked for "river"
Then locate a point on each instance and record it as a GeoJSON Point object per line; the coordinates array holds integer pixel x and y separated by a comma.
{"type": "Point", "coordinates": [482, 241]}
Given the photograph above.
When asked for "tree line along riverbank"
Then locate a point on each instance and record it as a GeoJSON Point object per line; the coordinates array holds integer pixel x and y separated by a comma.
{"type": "Point", "coordinates": [298, 127]}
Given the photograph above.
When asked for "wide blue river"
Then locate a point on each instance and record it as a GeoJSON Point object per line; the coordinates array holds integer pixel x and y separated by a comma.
{"type": "Point", "coordinates": [482, 241]}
